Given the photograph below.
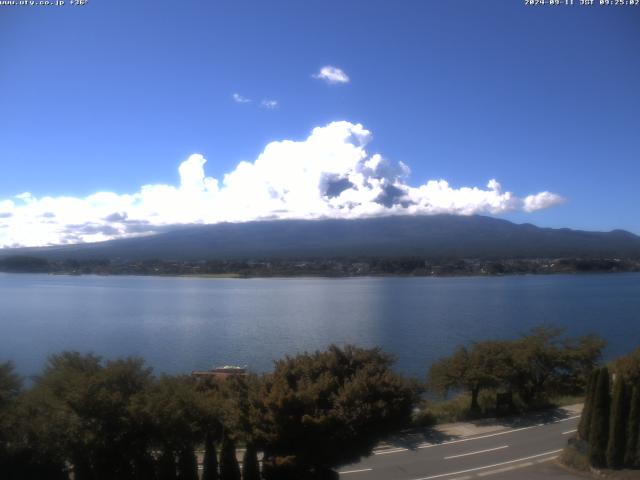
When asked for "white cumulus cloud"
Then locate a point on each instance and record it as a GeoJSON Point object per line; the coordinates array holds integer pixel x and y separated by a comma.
{"type": "Point", "coordinates": [330, 174]}
{"type": "Point", "coordinates": [240, 99]}
{"type": "Point", "coordinates": [332, 75]}
{"type": "Point", "coordinates": [540, 200]}
{"type": "Point", "coordinates": [269, 104]}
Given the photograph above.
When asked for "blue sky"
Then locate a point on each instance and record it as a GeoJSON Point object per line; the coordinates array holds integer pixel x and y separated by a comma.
{"type": "Point", "coordinates": [116, 94]}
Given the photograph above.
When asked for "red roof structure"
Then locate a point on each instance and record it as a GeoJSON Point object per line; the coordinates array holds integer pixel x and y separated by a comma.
{"type": "Point", "coordinates": [221, 373]}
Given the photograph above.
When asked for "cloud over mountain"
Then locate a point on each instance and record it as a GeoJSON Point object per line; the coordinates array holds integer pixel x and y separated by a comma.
{"type": "Point", "coordinates": [330, 174]}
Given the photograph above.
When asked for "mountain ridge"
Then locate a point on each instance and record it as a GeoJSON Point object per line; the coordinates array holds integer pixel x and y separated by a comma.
{"type": "Point", "coordinates": [429, 236]}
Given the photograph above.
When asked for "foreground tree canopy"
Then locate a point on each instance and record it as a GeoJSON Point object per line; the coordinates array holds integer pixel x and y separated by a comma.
{"type": "Point", "coordinates": [88, 418]}
{"type": "Point", "coordinates": [100, 419]}
{"type": "Point", "coordinates": [329, 408]}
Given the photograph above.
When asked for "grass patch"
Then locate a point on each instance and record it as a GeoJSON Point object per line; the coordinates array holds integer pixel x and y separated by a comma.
{"type": "Point", "coordinates": [453, 410]}
{"type": "Point", "coordinates": [456, 409]}
{"type": "Point", "coordinates": [566, 400]}
{"type": "Point", "coordinates": [573, 458]}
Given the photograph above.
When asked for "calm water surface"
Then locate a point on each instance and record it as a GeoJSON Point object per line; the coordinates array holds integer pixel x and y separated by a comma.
{"type": "Point", "coordinates": [183, 324]}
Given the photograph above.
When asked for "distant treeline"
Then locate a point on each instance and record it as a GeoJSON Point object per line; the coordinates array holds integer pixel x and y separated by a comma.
{"type": "Point", "coordinates": [337, 267]}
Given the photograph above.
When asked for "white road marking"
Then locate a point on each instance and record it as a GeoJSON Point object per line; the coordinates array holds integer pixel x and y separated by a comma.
{"type": "Point", "coordinates": [570, 431]}
{"type": "Point", "coordinates": [567, 419]}
{"type": "Point", "coordinates": [355, 471]}
{"type": "Point", "coordinates": [542, 460]}
{"type": "Point", "coordinates": [462, 440]}
{"type": "Point", "coordinates": [477, 452]}
{"type": "Point", "coordinates": [489, 466]}
{"type": "Point", "coordinates": [505, 469]}
{"type": "Point", "coordinates": [387, 452]}
{"type": "Point", "coordinates": [461, 478]}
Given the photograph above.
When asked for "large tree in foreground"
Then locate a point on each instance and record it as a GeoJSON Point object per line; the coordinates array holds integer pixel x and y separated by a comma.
{"type": "Point", "coordinates": [88, 405]}
{"type": "Point", "coordinates": [483, 365]}
{"type": "Point", "coordinates": [325, 409]}
{"type": "Point", "coordinates": [10, 451]}
{"type": "Point", "coordinates": [176, 413]}
{"type": "Point", "coordinates": [535, 366]}
{"type": "Point", "coordinates": [545, 363]}
{"type": "Point", "coordinates": [10, 385]}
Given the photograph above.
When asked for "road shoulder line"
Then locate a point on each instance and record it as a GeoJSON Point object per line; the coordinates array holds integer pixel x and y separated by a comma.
{"type": "Point", "coordinates": [460, 472]}
{"type": "Point", "coordinates": [470, 438]}
{"type": "Point", "coordinates": [486, 450]}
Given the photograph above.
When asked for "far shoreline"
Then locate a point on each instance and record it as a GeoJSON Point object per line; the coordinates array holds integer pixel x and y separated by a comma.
{"type": "Point", "coordinates": [338, 267]}
{"type": "Point", "coordinates": [236, 276]}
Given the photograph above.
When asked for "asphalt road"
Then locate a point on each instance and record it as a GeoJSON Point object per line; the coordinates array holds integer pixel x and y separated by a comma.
{"type": "Point", "coordinates": [526, 453]}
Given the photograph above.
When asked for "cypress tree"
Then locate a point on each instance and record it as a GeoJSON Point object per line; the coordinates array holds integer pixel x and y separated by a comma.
{"type": "Point", "coordinates": [144, 467]}
{"type": "Point", "coordinates": [81, 468]}
{"type": "Point", "coordinates": [187, 464]}
{"type": "Point", "coordinates": [631, 457]}
{"type": "Point", "coordinates": [599, 429]}
{"type": "Point", "coordinates": [250, 466]}
{"type": "Point", "coordinates": [167, 466]}
{"type": "Point", "coordinates": [210, 461]}
{"type": "Point", "coordinates": [637, 461]}
{"type": "Point", "coordinates": [585, 419]}
{"type": "Point", "coordinates": [617, 424]}
{"type": "Point", "coordinates": [229, 468]}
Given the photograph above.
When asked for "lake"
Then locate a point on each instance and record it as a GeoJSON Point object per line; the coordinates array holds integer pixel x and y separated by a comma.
{"type": "Point", "coordinates": [184, 324]}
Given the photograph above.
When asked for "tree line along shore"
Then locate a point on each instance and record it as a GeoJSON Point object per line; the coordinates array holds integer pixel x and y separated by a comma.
{"type": "Point", "coordinates": [84, 417]}
{"type": "Point", "coordinates": [325, 267]}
